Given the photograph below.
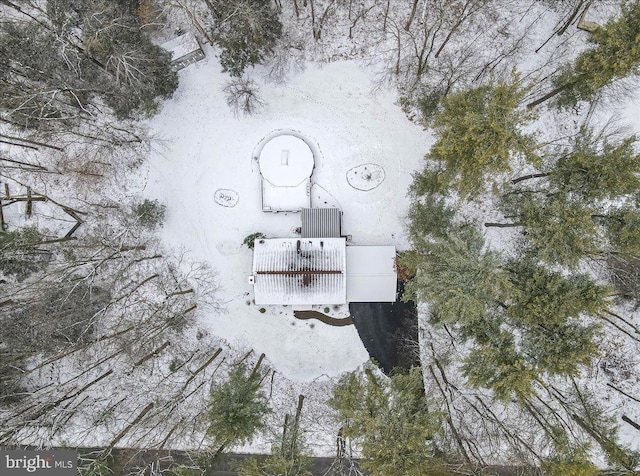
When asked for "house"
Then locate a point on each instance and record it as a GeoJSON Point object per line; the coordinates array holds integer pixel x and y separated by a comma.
{"type": "Point", "coordinates": [319, 268]}
{"type": "Point", "coordinates": [185, 50]}
{"type": "Point", "coordinates": [300, 272]}
{"type": "Point", "coordinates": [286, 163]}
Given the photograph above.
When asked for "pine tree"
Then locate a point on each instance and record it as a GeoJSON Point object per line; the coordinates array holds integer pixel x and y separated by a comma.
{"type": "Point", "coordinates": [596, 168]}
{"type": "Point", "coordinates": [540, 295]}
{"type": "Point", "coordinates": [237, 408]}
{"type": "Point", "coordinates": [393, 421]}
{"type": "Point", "coordinates": [429, 216]}
{"type": "Point", "coordinates": [623, 230]}
{"type": "Point", "coordinates": [20, 254]}
{"type": "Point", "coordinates": [577, 465]}
{"type": "Point", "coordinates": [488, 301]}
{"type": "Point", "coordinates": [563, 212]}
{"type": "Point", "coordinates": [495, 363]}
{"type": "Point", "coordinates": [548, 309]}
{"type": "Point", "coordinates": [559, 230]}
{"type": "Point", "coordinates": [246, 30]}
{"type": "Point", "coordinates": [616, 55]}
{"type": "Point", "coordinates": [479, 133]}
{"type": "Point", "coordinates": [460, 281]}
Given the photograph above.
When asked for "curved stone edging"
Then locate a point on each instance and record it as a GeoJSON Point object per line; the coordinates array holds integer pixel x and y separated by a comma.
{"type": "Point", "coordinates": [356, 176]}
{"type": "Point", "coordinates": [331, 321]}
{"type": "Point", "coordinates": [225, 197]}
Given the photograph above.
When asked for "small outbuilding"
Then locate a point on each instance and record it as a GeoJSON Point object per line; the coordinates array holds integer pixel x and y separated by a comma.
{"type": "Point", "coordinates": [185, 50]}
{"type": "Point", "coordinates": [286, 163]}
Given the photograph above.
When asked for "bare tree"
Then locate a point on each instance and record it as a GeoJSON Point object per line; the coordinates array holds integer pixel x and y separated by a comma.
{"type": "Point", "coordinates": [242, 96]}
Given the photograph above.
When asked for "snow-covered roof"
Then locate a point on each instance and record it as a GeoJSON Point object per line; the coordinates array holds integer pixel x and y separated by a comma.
{"type": "Point", "coordinates": [286, 161]}
{"type": "Point", "coordinates": [286, 199]}
{"type": "Point", "coordinates": [299, 271]}
{"type": "Point", "coordinates": [371, 274]}
{"type": "Point", "coordinates": [181, 46]}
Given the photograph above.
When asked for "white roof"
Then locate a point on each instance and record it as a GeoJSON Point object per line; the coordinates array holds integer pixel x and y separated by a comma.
{"type": "Point", "coordinates": [286, 161]}
{"type": "Point", "coordinates": [299, 271]}
{"type": "Point", "coordinates": [286, 199]}
{"type": "Point", "coordinates": [181, 46]}
{"type": "Point", "coordinates": [371, 273]}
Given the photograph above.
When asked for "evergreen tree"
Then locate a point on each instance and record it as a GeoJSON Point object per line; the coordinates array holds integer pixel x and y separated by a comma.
{"type": "Point", "coordinates": [597, 169]}
{"type": "Point", "coordinates": [460, 281]}
{"type": "Point", "coordinates": [237, 408]}
{"type": "Point", "coordinates": [577, 465]}
{"type": "Point", "coordinates": [246, 30]}
{"type": "Point", "coordinates": [495, 363]}
{"type": "Point", "coordinates": [393, 421]}
{"type": "Point", "coordinates": [548, 309]}
{"type": "Point", "coordinates": [429, 216]}
{"type": "Point", "coordinates": [149, 213]}
{"type": "Point", "coordinates": [540, 295]}
{"type": "Point", "coordinates": [557, 229]}
{"type": "Point", "coordinates": [615, 55]}
{"type": "Point", "coordinates": [623, 230]}
{"type": "Point", "coordinates": [564, 231]}
{"type": "Point", "coordinates": [479, 134]}
{"type": "Point", "coordinates": [20, 254]}
{"type": "Point", "coordinates": [521, 319]}
{"type": "Point", "coordinates": [564, 212]}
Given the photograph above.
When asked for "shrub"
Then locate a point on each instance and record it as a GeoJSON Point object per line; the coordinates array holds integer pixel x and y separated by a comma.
{"type": "Point", "coordinates": [249, 240]}
{"type": "Point", "coordinates": [150, 213]}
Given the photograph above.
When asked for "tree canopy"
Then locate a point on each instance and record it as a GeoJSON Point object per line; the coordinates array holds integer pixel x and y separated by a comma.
{"type": "Point", "coordinates": [246, 30]}
{"type": "Point", "coordinates": [237, 408]}
{"type": "Point", "coordinates": [393, 420]}
{"type": "Point", "coordinates": [80, 53]}
{"type": "Point", "coordinates": [615, 55]}
{"type": "Point", "coordinates": [479, 134]}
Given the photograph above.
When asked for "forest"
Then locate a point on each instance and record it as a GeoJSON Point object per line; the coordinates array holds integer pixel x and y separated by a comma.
{"type": "Point", "coordinates": [523, 240]}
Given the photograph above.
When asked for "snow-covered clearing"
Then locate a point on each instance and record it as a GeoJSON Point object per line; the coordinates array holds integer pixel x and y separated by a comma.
{"type": "Point", "coordinates": [203, 148]}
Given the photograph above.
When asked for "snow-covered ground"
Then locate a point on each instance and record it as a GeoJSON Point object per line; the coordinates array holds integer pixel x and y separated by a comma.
{"type": "Point", "coordinates": [203, 147]}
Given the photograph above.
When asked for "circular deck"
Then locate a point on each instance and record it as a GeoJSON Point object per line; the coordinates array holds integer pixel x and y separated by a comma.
{"type": "Point", "coordinates": [286, 161]}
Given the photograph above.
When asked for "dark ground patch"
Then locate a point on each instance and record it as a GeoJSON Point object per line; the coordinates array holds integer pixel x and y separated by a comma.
{"type": "Point", "coordinates": [389, 331]}
{"type": "Point", "coordinates": [331, 321]}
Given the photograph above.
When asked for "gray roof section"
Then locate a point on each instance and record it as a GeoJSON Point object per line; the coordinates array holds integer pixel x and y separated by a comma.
{"type": "Point", "coordinates": [321, 223]}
